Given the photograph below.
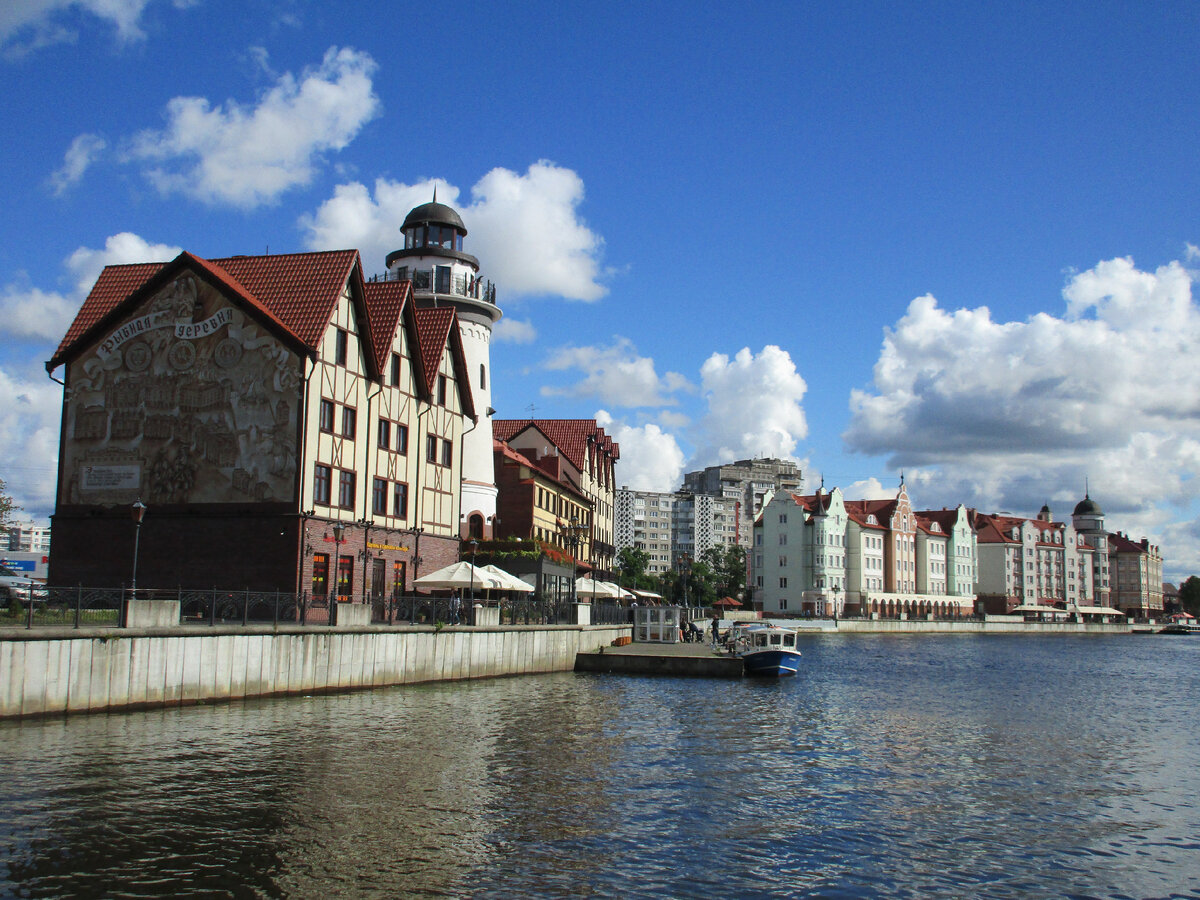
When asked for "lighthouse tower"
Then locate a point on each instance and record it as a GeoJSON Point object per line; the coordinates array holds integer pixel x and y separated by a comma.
{"type": "Point", "coordinates": [443, 275]}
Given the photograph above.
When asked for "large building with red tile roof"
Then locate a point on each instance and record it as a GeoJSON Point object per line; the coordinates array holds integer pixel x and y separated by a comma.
{"type": "Point", "coordinates": [1137, 576]}
{"type": "Point", "coordinates": [586, 457]}
{"type": "Point", "coordinates": [822, 555]}
{"type": "Point", "coordinates": [1032, 564]}
{"type": "Point", "coordinates": [262, 407]}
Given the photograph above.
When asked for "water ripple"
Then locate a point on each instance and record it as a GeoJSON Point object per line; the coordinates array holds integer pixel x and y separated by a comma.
{"type": "Point", "coordinates": [892, 767]}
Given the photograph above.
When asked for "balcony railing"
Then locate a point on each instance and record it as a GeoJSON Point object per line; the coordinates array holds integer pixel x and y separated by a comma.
{"type": "Point", "coordinates": [460, 285]}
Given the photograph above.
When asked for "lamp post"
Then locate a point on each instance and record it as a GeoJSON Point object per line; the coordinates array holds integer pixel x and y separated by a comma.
{"type": "Point", "coordinates": [339, 535]}
{"type": "Point", "coordinates": [365, 524]}
{"type": "Point", "coordinates": [138, 511]}
{"type": "Point", "coordinates": [684, 569]}
{"type": "Point", "coordinates": [474, 547]}
{"type": "Point", "coordinates": [574, 537]}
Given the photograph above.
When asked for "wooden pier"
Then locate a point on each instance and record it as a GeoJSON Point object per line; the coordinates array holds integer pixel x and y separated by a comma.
{"type": "Point", "coordinates": [688, 660]}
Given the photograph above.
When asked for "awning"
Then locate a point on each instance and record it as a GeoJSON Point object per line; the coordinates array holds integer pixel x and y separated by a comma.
{"type": "Point", "coordinates": [1098, 611]}
{"type": "Point", "coordinates": [645, 595]}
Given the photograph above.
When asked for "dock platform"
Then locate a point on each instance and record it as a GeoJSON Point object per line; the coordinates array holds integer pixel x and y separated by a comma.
{"type": "Point", "coordinates": [694, 660]}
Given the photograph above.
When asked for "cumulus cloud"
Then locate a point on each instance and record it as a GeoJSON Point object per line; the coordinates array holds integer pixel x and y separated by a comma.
{"type": "Point", "coordinates": [514, 331]}
{"type": "Point", "coordinates": [83, 151]}
{"type": "Point", "coordinates": [31, 312]}
{"type": "Point", "coordinates": [525, 229]}
{"type": "Point", "coordinates": [651, 459]}
{"type": "Point", "coordinates": [529, 226]}
{"type": "Point", "coordinates": [753, 407]}
{"type": "Point", "coordinates": [30, 417]}
{"type": "Point", "coordinates": [28, 25]}
{"type": "Point", "coordinates": [615, 374]}
{"type": "Point", "coordinates": [1011, 415]}
{"type": "Point", "coordinates": [29, 423]}
{"type": "Point", "coordinates": [245, 156]}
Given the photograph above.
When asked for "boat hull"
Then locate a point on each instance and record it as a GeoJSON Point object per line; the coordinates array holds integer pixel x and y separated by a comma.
{"type": "Point", "coordinates": [772, 663]}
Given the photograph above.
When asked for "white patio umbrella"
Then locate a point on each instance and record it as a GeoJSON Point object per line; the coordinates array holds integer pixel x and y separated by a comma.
{"type": "Point", "coordinates": [458, 575]}
{"type": "Point", "coordinates": [587, 587]}
{"type": "Point", "coordinates": [508, 581]}
{"type": "Point", "coordinates": [618, 591]}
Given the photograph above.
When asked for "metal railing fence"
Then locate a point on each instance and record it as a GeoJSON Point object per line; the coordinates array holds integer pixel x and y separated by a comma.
{"type": "Point", "coordinates": [76, 607]}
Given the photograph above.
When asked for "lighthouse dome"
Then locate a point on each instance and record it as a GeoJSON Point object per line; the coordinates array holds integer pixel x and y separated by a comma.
{"type": "Point", "coordinates": [434, 213]}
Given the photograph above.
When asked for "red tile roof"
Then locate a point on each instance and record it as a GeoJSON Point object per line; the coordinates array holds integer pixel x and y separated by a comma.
{"type": "Point", "coordinates": [295, 293]}
{"type": "Point", "coordinates": [570, 436]}
{"type": "Point", "coordinates": [433, 330]}
{"type": "Point", "coordinates": [435, 326]}
{"type": "Point", "coordinates": [386, 301]}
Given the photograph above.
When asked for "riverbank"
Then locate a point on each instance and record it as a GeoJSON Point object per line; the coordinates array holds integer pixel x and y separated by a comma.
{"type": "Point", "coordinates": [50, 671]}
{"type": "Point", "coordinates": [56, 670]}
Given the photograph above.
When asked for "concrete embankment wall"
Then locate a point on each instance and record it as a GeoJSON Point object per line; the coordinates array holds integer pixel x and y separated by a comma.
{"type": "Point", "coordinates": [43, 673]}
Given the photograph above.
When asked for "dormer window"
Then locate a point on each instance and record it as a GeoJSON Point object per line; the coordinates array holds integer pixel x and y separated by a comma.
{"type": "Point", "coordinates": [871, 520]}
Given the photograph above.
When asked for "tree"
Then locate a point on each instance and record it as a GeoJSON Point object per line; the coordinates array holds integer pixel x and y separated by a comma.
{"type": "Point", "coordinates": [7, 506]}
{"type": "Point", "coordinates": [1189, 595]}
{"type": "Point", "coordinates": [632, 564]}
{"type": "Point", "coordinates": [728, 565]}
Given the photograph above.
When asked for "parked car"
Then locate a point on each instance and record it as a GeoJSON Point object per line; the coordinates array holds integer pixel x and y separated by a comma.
{"type": "Point", "coordinates": [14, 584]}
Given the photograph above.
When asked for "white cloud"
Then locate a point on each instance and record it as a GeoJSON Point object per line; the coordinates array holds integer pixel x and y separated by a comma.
{"type": "Point", "coordinates": [616, 375]}
{"type": "Point", "coordinates": [83, 151]}
{"type": "Point", "coordinates": [30, 418]}
{"type": "Point", "coordinates": [870, 489]}
{"type": "Point", "coordinates": [247, 156]}
{"type": "Point", "coordinates": [28, 25]}
{"type": "Point", "coordinates": [530, 232]}
{"type": "Point", "coordinates": [524, 229]}
{"type": "Point", "coordinates": [30, 312]}
{"type": "Point", "coordinates": [1011, 415]}
{"type": "Point", "coordinates": [514, 331]}
{"type": "Point", "coordinates": [754, 407]}
{"type": "Point", "coordinates": [29, 424]}
{"type": "Point", "coordinates": [651, 459]}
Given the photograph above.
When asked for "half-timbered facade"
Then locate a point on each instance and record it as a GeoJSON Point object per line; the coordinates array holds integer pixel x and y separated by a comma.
{"type": "Point", "coordinates": [289, 426]}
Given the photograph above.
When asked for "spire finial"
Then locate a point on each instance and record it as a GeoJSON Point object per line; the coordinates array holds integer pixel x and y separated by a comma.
{"type": "Point", "coordinates": [435, 192]}
{"type": "Point", "coordinates": [1085, 487]}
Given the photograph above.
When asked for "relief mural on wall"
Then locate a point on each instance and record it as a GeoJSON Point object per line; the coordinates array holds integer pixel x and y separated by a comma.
{"type": "Point", "coordinates": [190, 401]}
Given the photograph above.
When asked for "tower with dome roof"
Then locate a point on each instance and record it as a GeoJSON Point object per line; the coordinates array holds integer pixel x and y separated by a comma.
{"type": "Point", "coordinates": [1088, 520]}
{"type": "Point", "coordinates": [442, 274]}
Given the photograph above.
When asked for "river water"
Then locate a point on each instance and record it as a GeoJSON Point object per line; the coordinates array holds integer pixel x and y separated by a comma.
{"type": "Point", "coordinates": [893, 766]}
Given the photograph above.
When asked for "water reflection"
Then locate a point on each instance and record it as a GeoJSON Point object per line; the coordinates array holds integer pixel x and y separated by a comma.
{"type": "Point", "coordinates": [893, 766]}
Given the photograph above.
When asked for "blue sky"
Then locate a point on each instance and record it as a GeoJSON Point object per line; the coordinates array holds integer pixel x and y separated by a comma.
{"type": "Point", "coordinates": [954, 241]}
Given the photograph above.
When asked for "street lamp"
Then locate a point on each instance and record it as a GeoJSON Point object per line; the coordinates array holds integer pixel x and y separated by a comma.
{"type": "Point", "coordinates": [339, 535]}
{"type": "Point", "coordinates": [574, 537]}
{"type": "Point", "coordinates": [474, 547]}
{"type": "Point", "coordinates": [138, 511]}
{"type": "Point", "coordinates": [684, 570]}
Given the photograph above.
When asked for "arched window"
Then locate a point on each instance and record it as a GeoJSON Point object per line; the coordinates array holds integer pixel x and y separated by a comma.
{"type": "Point", "coordinates": [475, 526]}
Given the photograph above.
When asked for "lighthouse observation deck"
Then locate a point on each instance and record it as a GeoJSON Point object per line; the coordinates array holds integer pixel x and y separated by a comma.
{"type": "Point", "coordinates": [443, 280]}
